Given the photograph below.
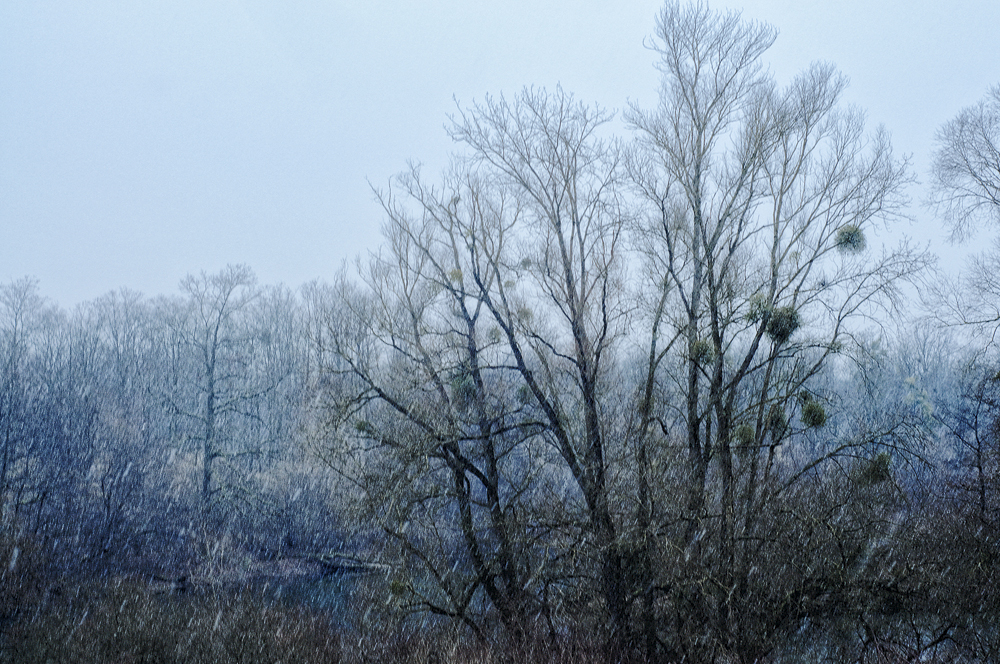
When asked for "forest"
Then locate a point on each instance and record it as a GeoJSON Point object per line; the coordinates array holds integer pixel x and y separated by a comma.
{"type": "Point", "coordinates": [648, 386]}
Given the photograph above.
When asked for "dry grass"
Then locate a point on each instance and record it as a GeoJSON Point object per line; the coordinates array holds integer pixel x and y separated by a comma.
{"type": "Point", "coordinates": [128, 621]}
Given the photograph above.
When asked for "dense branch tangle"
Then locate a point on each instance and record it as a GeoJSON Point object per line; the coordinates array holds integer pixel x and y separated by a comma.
{"type": "Point", "coordinates": [501, 389]}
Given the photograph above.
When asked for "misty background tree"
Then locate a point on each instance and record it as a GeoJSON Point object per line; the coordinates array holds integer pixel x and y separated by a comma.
{"type": "Point", "coordinates": [965, 173]}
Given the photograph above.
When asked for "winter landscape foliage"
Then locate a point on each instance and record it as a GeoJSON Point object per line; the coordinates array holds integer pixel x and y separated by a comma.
{"type": "Point", "coordinates": [605, 393]}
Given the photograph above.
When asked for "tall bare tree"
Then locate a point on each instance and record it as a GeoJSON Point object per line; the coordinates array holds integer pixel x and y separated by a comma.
{"type": "Point", "coordinates": [760, 203]}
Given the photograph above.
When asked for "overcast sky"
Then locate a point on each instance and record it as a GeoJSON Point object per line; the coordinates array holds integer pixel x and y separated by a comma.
{"type": "Point", "coordinates": [141, 141]}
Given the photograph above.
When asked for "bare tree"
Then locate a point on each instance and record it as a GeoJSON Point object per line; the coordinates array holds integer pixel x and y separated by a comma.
{"type": "Point", "coordinates": [567, 308]}
{"type": "Point", "coordinates": [214, 332]}
{"type": "Point", "coordinates": [760, 203]}
{"type": "Point", "coordinates": [20, 313]}
{"type": "Point", "coordinates": [221, 367]}
{"type": "Point", "coordinates": [47, 412]}
{"type": "Point", "coordinates": [965, 174]}
{"type": "Point", "coordinates": [492, 314]}
{"type": "Point", "coordinates": [965, 193]}
{"type": "Point", "coordinates": [49, 418]}
{"type": "Point", "coordinates": [129, 416]}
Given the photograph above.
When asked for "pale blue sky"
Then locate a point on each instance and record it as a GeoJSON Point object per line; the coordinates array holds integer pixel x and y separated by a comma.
{"type": "Point", "coordinates": [140, 141]}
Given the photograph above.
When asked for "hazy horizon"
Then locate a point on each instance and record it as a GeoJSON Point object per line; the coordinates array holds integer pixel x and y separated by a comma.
{"type": "Point", "coordinates": [142, 143]}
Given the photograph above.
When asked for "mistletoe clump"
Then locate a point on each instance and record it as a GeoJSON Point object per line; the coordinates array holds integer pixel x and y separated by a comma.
{"type": "Point", "coordinates": [850, 239]}
{"type": "Point", "coordinates": [702, 351]}
{"type": "Point", "coordinates": [813, 414]}
{"type": "Point", "coordinates": [782, 324]}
